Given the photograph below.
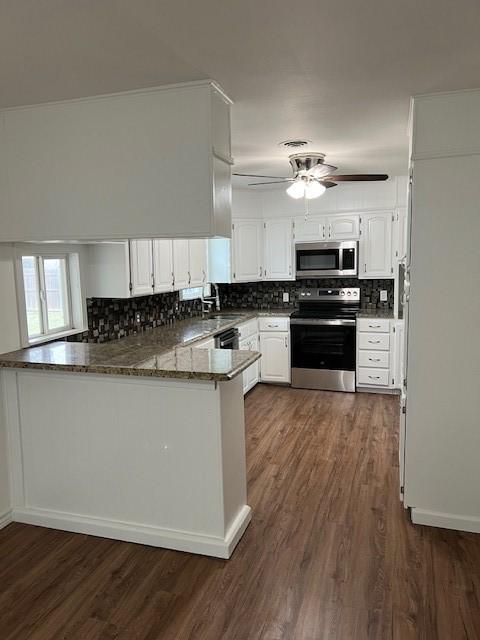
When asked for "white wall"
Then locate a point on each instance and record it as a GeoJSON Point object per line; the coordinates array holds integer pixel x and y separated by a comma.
{"type": "Point", "coordinates": [9, 340]}
{"type": "Point", "coordinates": [442, 451]}
{"type": "Point", "coordinates": [363, 196]}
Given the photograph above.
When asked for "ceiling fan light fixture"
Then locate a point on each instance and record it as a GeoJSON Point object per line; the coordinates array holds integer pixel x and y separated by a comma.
{"type": "Point", "coordinates": [314, 189]}
{"type": "Point", "coordinates": [296, 189]}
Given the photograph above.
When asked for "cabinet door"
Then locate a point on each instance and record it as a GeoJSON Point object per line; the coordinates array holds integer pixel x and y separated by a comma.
{"type": "Point", "coordinates": [376, 246]}
{"type": "Point", "coordinates": [247, 250]}
{"type": "Point", "coordinates": [162, 265]}
{"type": "Point", "coordinates": [197, 261]}
{"type": "Point", "coordinates": [398, 355]}
{"type": "Point", "coordinates": [141, 279]}
{"type": "Point", "coordinates": [275, 363]}
{"type": "Point", "coordinates": [310, 230]}
{"type": "Point", "coordinates": [343, 227]}
{"type": "Point", "coordinates": [221, 126]}
{"type": "Point", "coordinates": [245, 345]}
{"type": "Point", "coordinates": [278, 249]}
{"type": "Point", "coordinates": [180, 264]}
{"type": "Point", "coordinates": [255, 368]}
{"type": "Point", "coordinates": [399, 234]}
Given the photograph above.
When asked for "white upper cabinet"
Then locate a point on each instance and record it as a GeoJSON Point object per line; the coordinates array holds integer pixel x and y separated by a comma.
{"type": "Point", "coordinates": [153, 163]}
{"type": "Point", "coordinates": [247, 250]}
{"type": "Point", "coordinates": [325, 228]}
{"type": "Point", "coordinates": [278, 249]}
{"type": "Point", "coordinates": [376, 245]}
{"type": "Point", "coordinates": [221, 139]}
{"type": "Point", "coordinates": [311, 229]}
{"type": "Point", "coordinates": [197, 262]}
{"type": "Point", "coordinates": [141, 276]}
{"type": "Point", "coordinates": [181, 265]}
{"type": "Point", "coordinates": [343, 227]}
{"type": "Point", "coordinates": [163, 266]}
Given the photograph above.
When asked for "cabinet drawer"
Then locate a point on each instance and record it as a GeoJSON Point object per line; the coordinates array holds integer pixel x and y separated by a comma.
{"type": "Point", "coordinates": [374, 377]}
{"type": "Point", "coordinates": [374, 341]}
{"type": "Point", "coordinates": [374, 325]}
{"type": "Point", "coordinates": [248, 329]}
{"type": "Point", "coordinates": [378, 359]}
{"type": "Point", "coordinates": [273, 324]}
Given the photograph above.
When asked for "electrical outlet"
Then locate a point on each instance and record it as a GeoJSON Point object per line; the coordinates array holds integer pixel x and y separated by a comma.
{"type": "Point", "coordinates": [286, 296]}
{"type": "Point", "coordinates": [138, 317]}
{"type": "Point", "coordinates": [383, 295]}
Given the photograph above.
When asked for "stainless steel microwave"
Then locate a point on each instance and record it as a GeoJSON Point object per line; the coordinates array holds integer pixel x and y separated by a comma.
{"type": "Point", "coordinates": [326, 259]}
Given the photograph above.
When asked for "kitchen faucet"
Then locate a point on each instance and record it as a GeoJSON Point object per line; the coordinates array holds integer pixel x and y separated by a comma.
{"type": "Point", "coordinates": [207, 303]}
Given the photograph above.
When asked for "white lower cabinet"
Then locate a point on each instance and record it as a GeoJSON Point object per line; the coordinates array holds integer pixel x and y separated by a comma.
{"type": "Point", "coordinates": [250, 375]}
{"type": "Point", "coordinates": [209, 343]}
{"type": "Point", "coordinates": [374, 353]}
{"type": "Point", "coordinates": [248, 335]}
{"type": "Point", "coordinates": [398, 338]}
{"type": "Point", "coordinates": [275, 350]}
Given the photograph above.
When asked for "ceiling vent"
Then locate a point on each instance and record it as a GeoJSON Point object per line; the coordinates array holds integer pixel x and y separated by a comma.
{"type": "Point", "coordinates": [293, 144]}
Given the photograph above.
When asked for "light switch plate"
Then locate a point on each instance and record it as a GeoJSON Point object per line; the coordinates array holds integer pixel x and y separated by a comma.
{"type": "Point", "coordinates": [286, 296]}
{"type": "Point", "coordinates": [383, 295]}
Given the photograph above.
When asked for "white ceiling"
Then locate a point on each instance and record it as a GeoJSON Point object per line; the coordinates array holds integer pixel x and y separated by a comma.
{"type": "Point", "coordinates": [337, 73]}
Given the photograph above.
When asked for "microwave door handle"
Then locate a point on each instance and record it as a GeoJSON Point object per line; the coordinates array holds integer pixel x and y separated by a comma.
{"type": "Point", "coordinates": [340, 259]}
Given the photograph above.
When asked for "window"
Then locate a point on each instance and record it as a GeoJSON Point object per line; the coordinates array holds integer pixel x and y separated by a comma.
{"type": "Point", "coordinates": [195, 292]}
{"type": "Point", "coordinates": [46, 284]}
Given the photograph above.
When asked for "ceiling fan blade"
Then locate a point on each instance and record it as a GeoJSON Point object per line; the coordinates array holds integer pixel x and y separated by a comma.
{"type": "Point", "coordinates": [254, 184]}
{"type": "Point", "coordinates": [358, 177]}
{"type": "Point", "coordinates": [250, 175]}
{"type": "Point", "coordinates": [328, 183]}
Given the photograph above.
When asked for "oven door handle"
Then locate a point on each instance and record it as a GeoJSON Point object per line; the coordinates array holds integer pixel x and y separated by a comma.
{"type": "Point", "coordinates": [320, 321]}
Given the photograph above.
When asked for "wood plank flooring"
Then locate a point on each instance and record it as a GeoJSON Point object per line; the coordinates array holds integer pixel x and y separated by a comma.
{"type": "Point", "coordinates": [330, 553]}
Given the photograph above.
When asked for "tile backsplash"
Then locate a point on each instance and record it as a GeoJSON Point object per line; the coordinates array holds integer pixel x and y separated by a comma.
{"type": "Point", "coordinates": [261, 295]}
{"type": "Point", "coordinates": [110, 319]}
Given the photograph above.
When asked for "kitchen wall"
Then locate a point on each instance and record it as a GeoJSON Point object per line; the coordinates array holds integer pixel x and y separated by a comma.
{"type": "Point", "coordinates": [262, 295]}
{"type": "Point", "coordinates": [355, 196]}
{"type": "Point", "coordinates": [9, 340]}
{"type": "Point", "coordinates": [110, 319]}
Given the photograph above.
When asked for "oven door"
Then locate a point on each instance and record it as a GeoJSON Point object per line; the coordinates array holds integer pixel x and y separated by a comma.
{"type": "Point", "coordinates": [326, 259]}
{"type": "Point", "coordinates": [323, 353]}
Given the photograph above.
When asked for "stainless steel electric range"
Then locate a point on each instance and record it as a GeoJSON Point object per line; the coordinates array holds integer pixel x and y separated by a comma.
{"type": "Point", "coordinates": [323, 339]}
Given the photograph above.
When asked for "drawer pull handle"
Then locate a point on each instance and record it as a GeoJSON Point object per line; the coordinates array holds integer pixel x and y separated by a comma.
{"type": "Point", "coordinates": [375, 326]}
{"type": "Point", "coordinates": [374, 359]}
{"type": "Point", "coordinates": [273, 326]}
{"type": "Point", "coordinates": [374, 341]}
{"type": "Point", "coordinates": [374, 377]}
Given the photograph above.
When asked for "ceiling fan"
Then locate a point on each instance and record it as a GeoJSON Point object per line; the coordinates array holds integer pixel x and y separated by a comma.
{"type": "Point", "coordinates": [312, 177]}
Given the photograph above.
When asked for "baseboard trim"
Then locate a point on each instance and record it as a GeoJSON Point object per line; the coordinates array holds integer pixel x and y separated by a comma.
{"type": "Point", "coordinates": [386, 391]}
{"type": "Point", "coordinates": [445, 520]}
{"type": "Point", "coordinates": [141, 534]}
{"type": "Point", "coordinates": [5, 518]}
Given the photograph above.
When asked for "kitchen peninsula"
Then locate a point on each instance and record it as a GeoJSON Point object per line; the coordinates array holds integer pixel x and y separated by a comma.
{"type": "Point", "coordinates": [141, 439]}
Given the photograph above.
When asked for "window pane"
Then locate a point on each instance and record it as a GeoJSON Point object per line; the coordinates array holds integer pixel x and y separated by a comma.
{"type": "Point", "coordinates": [55, 270]}
{"type": "Point", "coordinates": [32, 296]}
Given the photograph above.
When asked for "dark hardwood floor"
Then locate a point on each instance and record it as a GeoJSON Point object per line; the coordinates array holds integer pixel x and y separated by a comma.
{"type": "Point", "coordinates": [330, 552]}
